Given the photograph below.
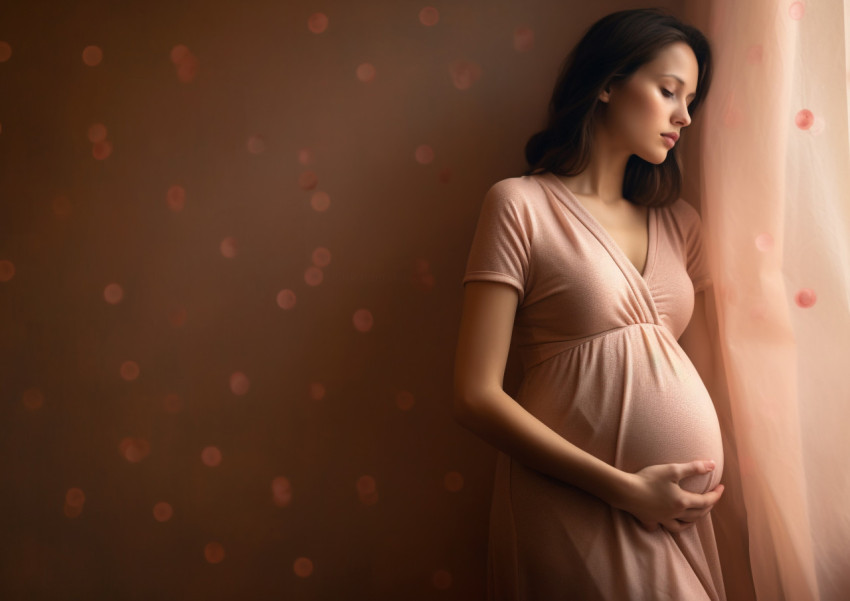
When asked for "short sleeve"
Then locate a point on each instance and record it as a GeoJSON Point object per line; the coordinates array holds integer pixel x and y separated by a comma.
{"type": "Point", "coordinates": [501, 245]}
{"type": "Point", "coordinates": [696, 259]}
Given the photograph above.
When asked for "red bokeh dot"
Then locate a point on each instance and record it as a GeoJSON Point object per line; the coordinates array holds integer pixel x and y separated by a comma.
{"type": "Point", "coordinates": [805, 298]}
{"type": "Point", "coordinates": [176, 197]}
{"type": "Point", "coordinates": [172, 403]}
{"type": "Point", "coordinates": [256, 144]}
{"type": "Point", "coordinates": [320, 201]}
{"type": "Point", "coordinates": [302, 567]}
{"type": "Point", "coordinates": [453, 481]}
{"type": "Point", "coordinates": [239, 383]}
{"type": "Point", "coordinates": [130, 370]}
{"type": "Point", "coordinates": [97, 133]}
{"type": "Point", "coordinates": [187, 68]}
{"type": "Point", "coordinates": [102, 150]}
{"type": "Point", "coordinates": [113, 293]}
{"type": "Point", "coordinates": [366, 72]}
{"type": "Point", "coordinates": [73, 512]}
{"type": "Point", "coordinates": [211, 456]}
{"type": "Point", "coordinates": [317, 391]}
{"type": "Point", "coordinates": [281, 491]}
{"type": "Point", "coordinates": [134, 449]}
{"type": "Point", "coordinates": [92, 55]}
{"type": "Point", "coordinates": [464, 73]}
{"type": "Point", "coordinates": [442, 579]}
{"type": "Point", "coordinates": [308, 180]}
{"type": "Point", "coordinates": [804, 119]}
{"type": "Point", "coordinates": [404, 400]}
{"type": "Point", "coordinates": [363, 320]}
{"type": "Point", "coordinates": [317, 23]}
{"type": "Point", "coordinates": [424, 154]}
{"type": "Point", "coordinates": [286, 299]}
{"type": "Point", "coordinates": [228, 247]}
{"type": "Point", "coordinates": [313, 276]}
{"type": "Point", "coordinates": [162, 512]}
{"type": "Point", "coordinates": [179, 54]}
{"type": "Point", "coordinates": [764, 242]}
{"type": "Point", "coordinates": [305, 156]}
{"type": "Point", "coordinates": [797, 10]}
{"type": "Point", "coordinates": [214, 552]}
{"type": "Point", "coordinates": [33, 399]}
{"type": "Point", "coordinates": [429, 16]}
{"type": "Point", "coordinates": [321, 257]}
{"type": "Point", "coordinates": [366, 485]}
{"type": "Point", "coordinates": [523, 39]}
{"type": "Point", "coordinates": [61, 206]}
{"type": "Point", "coordinates": [177, 316]}
{"type": "Point", "coordinates": [7, 270]}
{"type": "Point", "coordinates": [75, 497]}
{"type": "Point", "coordinates": [5, 52]}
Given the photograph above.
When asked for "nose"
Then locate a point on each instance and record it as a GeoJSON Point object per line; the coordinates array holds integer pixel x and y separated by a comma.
{"type": "Point", "coordinates": [682, 117]}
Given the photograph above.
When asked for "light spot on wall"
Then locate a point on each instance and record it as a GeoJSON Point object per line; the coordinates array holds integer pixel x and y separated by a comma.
{"type": "Point", "coordinates": [367, 490]}
{"type": "Point", "coordinates": [97, 133]}
{"type": "Point", "coordinates": [429, 16]}
{"type": "Point", "coordinates": [308, 180]}
{"type": "Point", "coordinates": [804, 119]}
{"type": "Point", "coordinates": [317, 23]}
{"type": "Point", "coordinates": [134, 449]}
{"type": "Point", "coordinates": [185, 63]}
{"type": "Point", "coordinates": [281, 491]}
{"type": "Point", "coordinates": [305, 156]}
{"type": "Point", "coordinates": [424, 154]}
{"type": "Point", "coordinates": [102, 150]}
{"type": "Point", "coordinates": [805, 298]}
{"type": "Point", "coordinates": [366, 72]}
{"type": "Point", "coordinates": [7, 270]}
{"type": "Point", "coordinates": [313, 276]}
{"type": "Point", "coordinates": [764, 242]}
{"type": "Point", "coordinates": [214, 552]}
{"type": "Point", "coordinates": [404, 400]}
{"type": "Point", "coordinates": [363, 320]}
{"type": "Point", "coordinates": [228, 247]}
{"type": "Point", "coordinates": [453, 481]}
{"type": "Point", "coordinates": [176, 198]}
{"type": "Point", "coordinates": [74, 501]}
{"type": "Point", "coordinates": [523, 39]}
{"type": "Point", "coordinates": [5, 52]}
{"type": "Point", "coordinates": [321, 257]}
{"type": "Point", "coordinates": [317, 391]}
{"type": "Point", "coordinates": [303, 567]}
{"type": "Point", "coordinates": [33, 399]}
{"type": "Point", "coordinates": [320, 201]}
{"type": "Point", "coordinates": [464, 73]}
{"type": "Point", "coordinates": [239, 383]}
{"type": "Point", "coordinates": [797, 10]}
{"type": "Point", "coordinates": [113, 293]}
{"type": "Point", "coordinates": [129, 370]}
{"type": "Point", "coordinates": [256, 144]}
{"type": "Point", "coordinates": [162, 512]}
{"type": "Point", "coordinates": [211, 456]}
{"type": "Point", "coordinates": [286, 299]}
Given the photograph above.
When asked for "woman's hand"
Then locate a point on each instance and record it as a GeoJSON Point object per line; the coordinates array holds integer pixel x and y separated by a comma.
{"type": "Point", "coordinates": [656, 499]}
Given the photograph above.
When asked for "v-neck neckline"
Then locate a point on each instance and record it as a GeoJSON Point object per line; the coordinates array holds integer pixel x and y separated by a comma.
{"type": "Point", "coordinates": [607, 239]}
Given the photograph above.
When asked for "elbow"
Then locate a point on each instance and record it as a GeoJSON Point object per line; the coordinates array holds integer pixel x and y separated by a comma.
{"type": "Point", "coordinates": [468, 407]}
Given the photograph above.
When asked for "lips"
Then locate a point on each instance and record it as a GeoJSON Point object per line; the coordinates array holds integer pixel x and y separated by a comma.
{"type": "Point", "coordinates": [673, 136]}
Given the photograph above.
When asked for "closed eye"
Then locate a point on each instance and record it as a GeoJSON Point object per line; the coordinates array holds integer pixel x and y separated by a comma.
{"type": "Point", "coordinates": [667, 93]}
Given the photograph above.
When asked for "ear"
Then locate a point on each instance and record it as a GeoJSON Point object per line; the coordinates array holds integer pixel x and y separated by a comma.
{"type": "Point", "coordinates": [605, 95]}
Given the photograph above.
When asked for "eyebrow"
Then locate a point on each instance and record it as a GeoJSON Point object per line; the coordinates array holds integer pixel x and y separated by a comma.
{"type": "Point", "coordinates": [679, 79]}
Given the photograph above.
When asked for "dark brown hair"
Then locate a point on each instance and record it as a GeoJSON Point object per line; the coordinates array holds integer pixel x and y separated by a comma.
{"type": "Point", "coordinates": [611, 50]}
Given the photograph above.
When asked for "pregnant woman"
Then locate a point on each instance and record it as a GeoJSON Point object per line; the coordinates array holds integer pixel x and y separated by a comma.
{"type": "Point", "coordinates": [591, 267]}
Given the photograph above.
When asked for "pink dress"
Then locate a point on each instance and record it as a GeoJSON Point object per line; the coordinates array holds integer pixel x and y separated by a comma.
{"type": "Point", "coordinates": [602, 367]}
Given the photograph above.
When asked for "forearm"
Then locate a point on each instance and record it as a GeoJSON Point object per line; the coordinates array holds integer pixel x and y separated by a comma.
{"type": "Point", "coordinates": [505, 424]}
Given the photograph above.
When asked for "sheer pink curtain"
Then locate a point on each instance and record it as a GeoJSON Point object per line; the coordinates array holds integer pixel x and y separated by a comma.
{"type": "Point", "coordinates": [775, 188]}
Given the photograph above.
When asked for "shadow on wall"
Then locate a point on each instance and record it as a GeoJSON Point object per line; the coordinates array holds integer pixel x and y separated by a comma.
{"type": "Point", "coordinates": [231, 250]}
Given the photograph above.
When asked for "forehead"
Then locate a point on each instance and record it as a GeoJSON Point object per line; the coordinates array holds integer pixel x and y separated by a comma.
{"type": "Point", "coordinates": [676, 60]}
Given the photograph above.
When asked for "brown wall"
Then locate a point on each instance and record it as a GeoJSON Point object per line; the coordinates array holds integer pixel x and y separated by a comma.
{"type": "Point", "coordinates": [109, 404]}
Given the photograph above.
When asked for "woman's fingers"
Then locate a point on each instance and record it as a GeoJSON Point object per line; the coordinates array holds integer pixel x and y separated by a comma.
{"type": "Point", "coordinates": [693, 468]}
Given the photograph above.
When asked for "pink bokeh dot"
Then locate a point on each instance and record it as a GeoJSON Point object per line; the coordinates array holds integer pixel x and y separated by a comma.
{"type": "Point", "coordinates": [367, 490]}
{"type": "Point", "coordinates": [804, 119]}
{"type": "Point", "coordinates": [7, 270]}
{"type": "Point", "coordinates": [177, 316]}
{"type": "Point", "coordinates": [805, 298]}
{"type": "Point", "coordinates": [239, 383]}
{"type": "Point", "coordinates": [179, 54]}
{"type": "Point", "coordinates": [255, 144]}
{"type": "Point", "coordinates": [129, 370]}
{"type": "Point", "coordinates": [162, 511]}
{"type": "Point", "coordinates": [424, 154]}
{"type": "Point", "coordinates": [228, 247]}
{"type": "Point", "coordinates": [317, 391]}
{"type": "Point", "coordinates": [176, 198]}
{"type": "Point", "coordinates": [75, 497]}
{"type": "Point", "coordinates": [62, 206]}
{"type": "Point", "coordinates": [317, 23]}
{"type": "Point", "coordinates": [320, 201]}
{"type": "Point", "coordinates": [302, 567]}
{"type": "Point", "coordinates": [5, 52]}
{"type": "Point", "coordinates": [404, 400]}
{"type": "Point", "coordinates": [97, 133]}
{"type": "Point", "coordinates": [281, 491]}
{"type": "Point", "coordinates": [366, 72]}
{"type": "Point", "coordinates": [305, 156]}
{"type": "Point", "coordinates": [211, 456]}
{"type": "Point", "coordinates": [187, 70]}
{"type": "Point", "coordinates": [308, 180]}
{"type": "Point", "coordinates": [429, 16]}
{"type": "Point", "coordinates": [764, 242]}
{"type": "Point", "coordinates": [92, 55]}
{"type": "Point", "coordinates": [523, 39]}
{"type": "Point", "coordinates": [442, 579]}
{"type": "Point", "coordinates": [453, 481]}
{"type": "Point", "coordinates": [134, 449]}
{"type": "Point", "coordinates": [363, 320]}
{"type": "Point", "coordinates": [321, 257]}
{"type": "Point", "coordinates": [172, 403]}
{"type": "Point", "coordinates": [313, 276]}
{"type": "Point", "coordinates": [33, 399]}
{"type": "Point", "coordinates": [113, 293]}
{"type": "Point", "coordinates": [464, 73]}
{"type": "Point", "coordinates": [797, 10]}
{"type": "Point", "coordinates": [214, 552]}
{"type": "Point", "coordinates": [102, 150]}
{"type": "Point", "coordinates": [286, 299]}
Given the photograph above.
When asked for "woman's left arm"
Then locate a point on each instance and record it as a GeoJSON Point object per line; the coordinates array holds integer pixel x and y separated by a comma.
{"type": "Point", "coordinates": [696, 340]}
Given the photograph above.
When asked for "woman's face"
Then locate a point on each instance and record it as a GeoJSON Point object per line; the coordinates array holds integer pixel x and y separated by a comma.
{"type": "Point", "coordinates": [653, 101]}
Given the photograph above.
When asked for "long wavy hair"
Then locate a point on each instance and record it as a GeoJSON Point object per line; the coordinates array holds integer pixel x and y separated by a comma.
{"type": "Point", "coordinates": [609, 52]}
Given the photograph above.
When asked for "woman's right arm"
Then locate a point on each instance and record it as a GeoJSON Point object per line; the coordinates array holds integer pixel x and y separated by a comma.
{"type": "Point", "coordinates": [652, 495]}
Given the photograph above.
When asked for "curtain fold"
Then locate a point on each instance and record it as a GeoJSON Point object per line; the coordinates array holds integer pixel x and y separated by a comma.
{"type": "Point", "coordinates": [775, 201]}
